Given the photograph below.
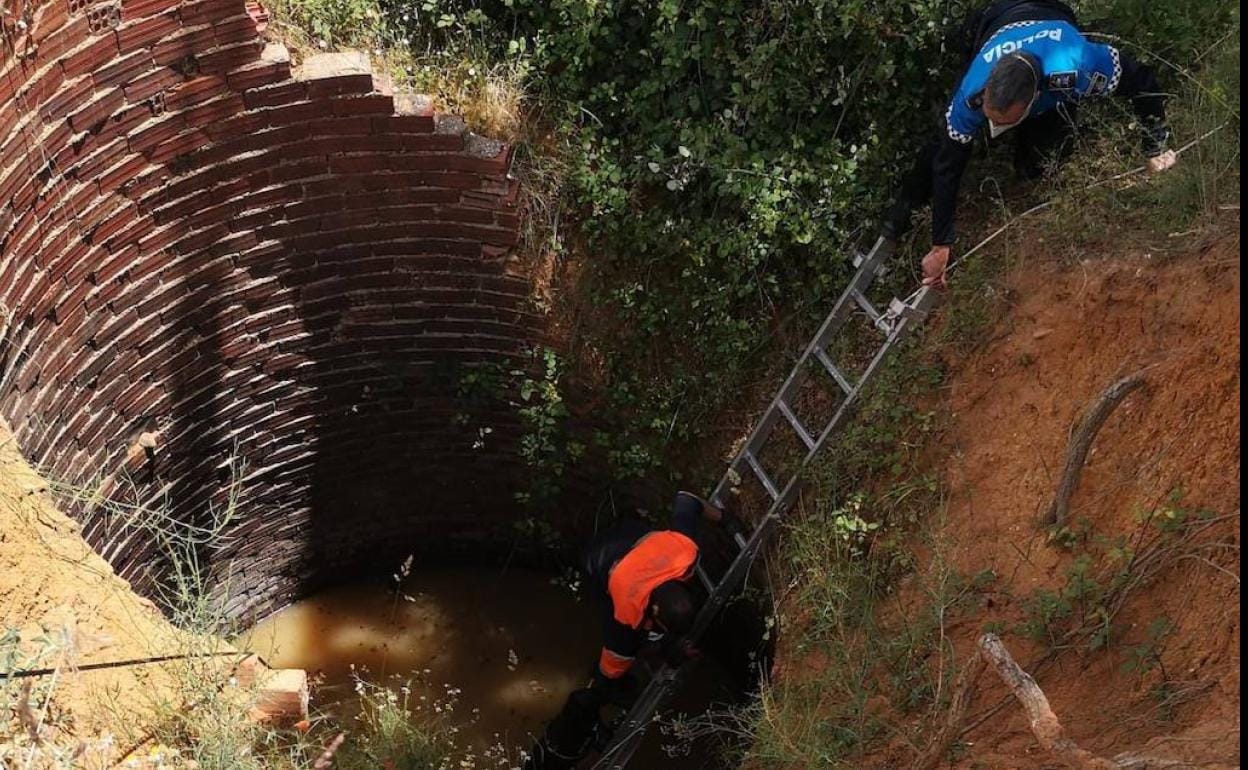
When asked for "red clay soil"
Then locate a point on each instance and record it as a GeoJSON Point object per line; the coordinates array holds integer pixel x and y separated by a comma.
{"type": "Point", "coordinates": [1074, 330]}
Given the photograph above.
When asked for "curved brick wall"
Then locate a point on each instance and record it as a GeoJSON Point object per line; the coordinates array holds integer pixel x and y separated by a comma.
{"type": "Point", "coordinates": [201, 245]}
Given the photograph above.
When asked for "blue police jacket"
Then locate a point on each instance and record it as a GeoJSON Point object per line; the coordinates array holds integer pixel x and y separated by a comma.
{"type": "Point", "coordinates": [1072, 68]}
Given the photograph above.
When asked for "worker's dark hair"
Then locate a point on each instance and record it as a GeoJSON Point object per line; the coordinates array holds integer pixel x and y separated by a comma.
{"type": "Point", "coordinates": [1012, 81]}
{"type": "Point", "coordinates": [674, 605]}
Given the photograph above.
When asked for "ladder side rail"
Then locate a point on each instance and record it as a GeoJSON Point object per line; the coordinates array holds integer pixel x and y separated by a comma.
{"type": "Point", "coordinates": [862, 279]}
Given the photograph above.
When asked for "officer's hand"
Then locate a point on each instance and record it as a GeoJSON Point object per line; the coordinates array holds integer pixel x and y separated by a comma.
{"type": "Point", "coordinates": [934, 265]}
{"type": "Point", "coordinates": [1159, 163]}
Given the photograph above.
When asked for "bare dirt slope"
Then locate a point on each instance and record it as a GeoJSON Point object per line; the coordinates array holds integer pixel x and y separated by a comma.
{"type": "Point", "coordinates": [71, 610]}
{"type": "Point", "coordinates": [1174, 445]}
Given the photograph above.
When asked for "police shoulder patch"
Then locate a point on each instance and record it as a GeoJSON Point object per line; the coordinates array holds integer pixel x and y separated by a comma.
{"type": "Point", "coordinates": [1097, 84]}
{"type": "Point", "coordinates": [975, 102]}
{"type": "Point", "coordinates": [1062, 81]}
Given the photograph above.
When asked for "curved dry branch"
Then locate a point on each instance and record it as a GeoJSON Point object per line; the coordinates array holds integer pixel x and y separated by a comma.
{"type": "Point", "coordinates": [1081, 442]}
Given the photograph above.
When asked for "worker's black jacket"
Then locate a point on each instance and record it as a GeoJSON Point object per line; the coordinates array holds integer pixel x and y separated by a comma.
{"type": "Point", "coordinates": [1072, 69]}
{"type": "Point", "coordinates": [624, 564]}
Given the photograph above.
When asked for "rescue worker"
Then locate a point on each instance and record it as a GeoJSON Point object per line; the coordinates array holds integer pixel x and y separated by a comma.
{"type": "Point", "coordinates": [1028, 68]}
{"type": "Point", "coordinates": [642, 576]}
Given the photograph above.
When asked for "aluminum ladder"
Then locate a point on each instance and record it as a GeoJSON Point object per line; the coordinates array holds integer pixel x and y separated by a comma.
{"type": "Point", "coordinates": [892, 324]}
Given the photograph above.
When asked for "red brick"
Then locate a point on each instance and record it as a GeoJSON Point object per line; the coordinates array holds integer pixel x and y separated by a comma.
{"type": "Point", "coordinates": [118, 220]}
{"type": "Point", "coordinates": [43, 87]}
{"type": "Point", "coordinates": [157, 130]}
{"type": "Point", "coordinates": [160, 240]}
{"type": "Point", "coordinates": [48, 19]}
{"type": "Point", "coordinates": [101, 158]}
{"type": "Point", "coordinates": [138, 227]}
{"type": "Point", "coordinates": [92, 56]}
{"type": "Point", "coordinates": [71, 301]}
{"type": "Point", "coordinates": [123, 70]}
{"type": "Point", "coordinates": [188, 42]}
{"type": "Point", "coordinates": [135, 9]}
{"type": "Point", "coordinates": [182, 144]}
{"type": "Point", "coordinates": [270, 96]}
{"type": "Point", "coordinates": [114, 178]}
{"type": "Point", "coordinates": [195, 91]}
{"type": "Point", "coordinates": [213, 112]}
{"type": "Point", "coordinates": [238, 29]}
{"type": "Point", "coordinates": [403, 124]}
{"type": "Point", "coordinates": [290, 172]}
{"type": "Point", "coordinates": [235, 127]}
{"type": "Point", "coordinates": [222, 60]}
{"type": "Point", "coordinates": [114, 265]}
{"type": "Point", "coordinates": [211, 11]}
{"type": "Point", "coordinates": [364, 105]}
{"type": "Point", "coordinates": [64, 39]}
{"type": "Point", "coordinates": [122, 123]}
{"type": "Point", "coordinates": [340, 85]}
{"type": "Point", "coordinates": [151, 83]}
{"type": "Point", "coordinates": [201, 240]}
{"type": "Point", "coordinates": [146, 32]}
{"type": "Point", "coordinates": [97, 111]}
{"type": "Point", "coordinates": [258, 74]}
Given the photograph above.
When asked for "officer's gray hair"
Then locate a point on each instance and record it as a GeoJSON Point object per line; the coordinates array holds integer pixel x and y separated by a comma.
{"type": "Point", "coordinates": [1013, 81]}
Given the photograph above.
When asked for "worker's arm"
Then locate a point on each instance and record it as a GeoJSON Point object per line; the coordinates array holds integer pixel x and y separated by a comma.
{"type": "Point", "coordinates": [619, 649]}
{"type": "Point", "coordinates": [948, 166]}
{"type": "Point", "coordinates": [963, 118]}
{"type": "Point", "coordinates": [687, 512]}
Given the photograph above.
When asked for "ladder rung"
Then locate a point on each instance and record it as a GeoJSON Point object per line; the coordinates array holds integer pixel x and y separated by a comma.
{"type": "Point", "coordinates": [798, 428]}
{"type": "Point", "coordinates": [761, 474]}
{"type": "Point", "coordinates": [832, 370]}
{"type": "Point", "coordinates": [864, 303]}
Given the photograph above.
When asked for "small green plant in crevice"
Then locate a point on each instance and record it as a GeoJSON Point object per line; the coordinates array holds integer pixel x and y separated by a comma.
{"type": "Point", "coordinates": [1146, 655]}
{"type": "Point", "coordinates": [546, 447]}
{"type": "Point", "coordinates": [1172, 517]}
{"type": "Point", "coordinates": [1080, 610]}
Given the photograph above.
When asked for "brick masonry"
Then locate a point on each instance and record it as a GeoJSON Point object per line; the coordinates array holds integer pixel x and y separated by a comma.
{"type": "Point", "coordinates": [284, 266]}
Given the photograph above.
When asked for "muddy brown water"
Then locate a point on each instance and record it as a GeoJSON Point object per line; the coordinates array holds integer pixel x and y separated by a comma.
{"type": "Point", "coordinates": [508, 646]}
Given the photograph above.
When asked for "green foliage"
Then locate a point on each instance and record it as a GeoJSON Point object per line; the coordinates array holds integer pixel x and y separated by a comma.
{"type": "Point", "coordinates": [333, 23]}
{"type": "Point", "coordinates": [1172, 517]}
{"type": "Point", "coordinates": [1177, 31]}
{"type": "Point", "coordinates": [1145, 656]}
{"type": "Point", "coordinates": [720, 158]}
{"type": "Point", "coordinates": [399, 730]}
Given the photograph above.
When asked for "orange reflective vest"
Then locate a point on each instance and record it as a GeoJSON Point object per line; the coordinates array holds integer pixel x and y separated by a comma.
{"type": "Point", "coordinates": [656, 558]}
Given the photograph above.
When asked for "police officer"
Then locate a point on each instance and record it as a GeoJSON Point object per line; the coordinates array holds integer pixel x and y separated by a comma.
{"type": "Point", "coordinates": [1028, 68]}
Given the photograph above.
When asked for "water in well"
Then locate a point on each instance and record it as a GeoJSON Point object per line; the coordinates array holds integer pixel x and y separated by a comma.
{"type": "Point", "coordinates": [506, 647]}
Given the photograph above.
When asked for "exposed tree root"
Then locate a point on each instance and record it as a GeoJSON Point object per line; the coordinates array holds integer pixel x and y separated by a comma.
{"type": "Point", "coordinates": [1081, 442]}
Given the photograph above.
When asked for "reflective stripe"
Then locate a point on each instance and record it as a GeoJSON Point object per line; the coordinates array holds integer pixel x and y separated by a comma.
{"type": "Point", "coordinates": [613, 665]}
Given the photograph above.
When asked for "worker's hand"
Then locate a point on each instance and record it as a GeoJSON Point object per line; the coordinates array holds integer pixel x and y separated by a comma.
{"type": "Point", "coordinates": [678, 653]}
{"type": "Point", "coordinates": [934, 265]}
{"type": "Point", "coordinates": [1159, 163]}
